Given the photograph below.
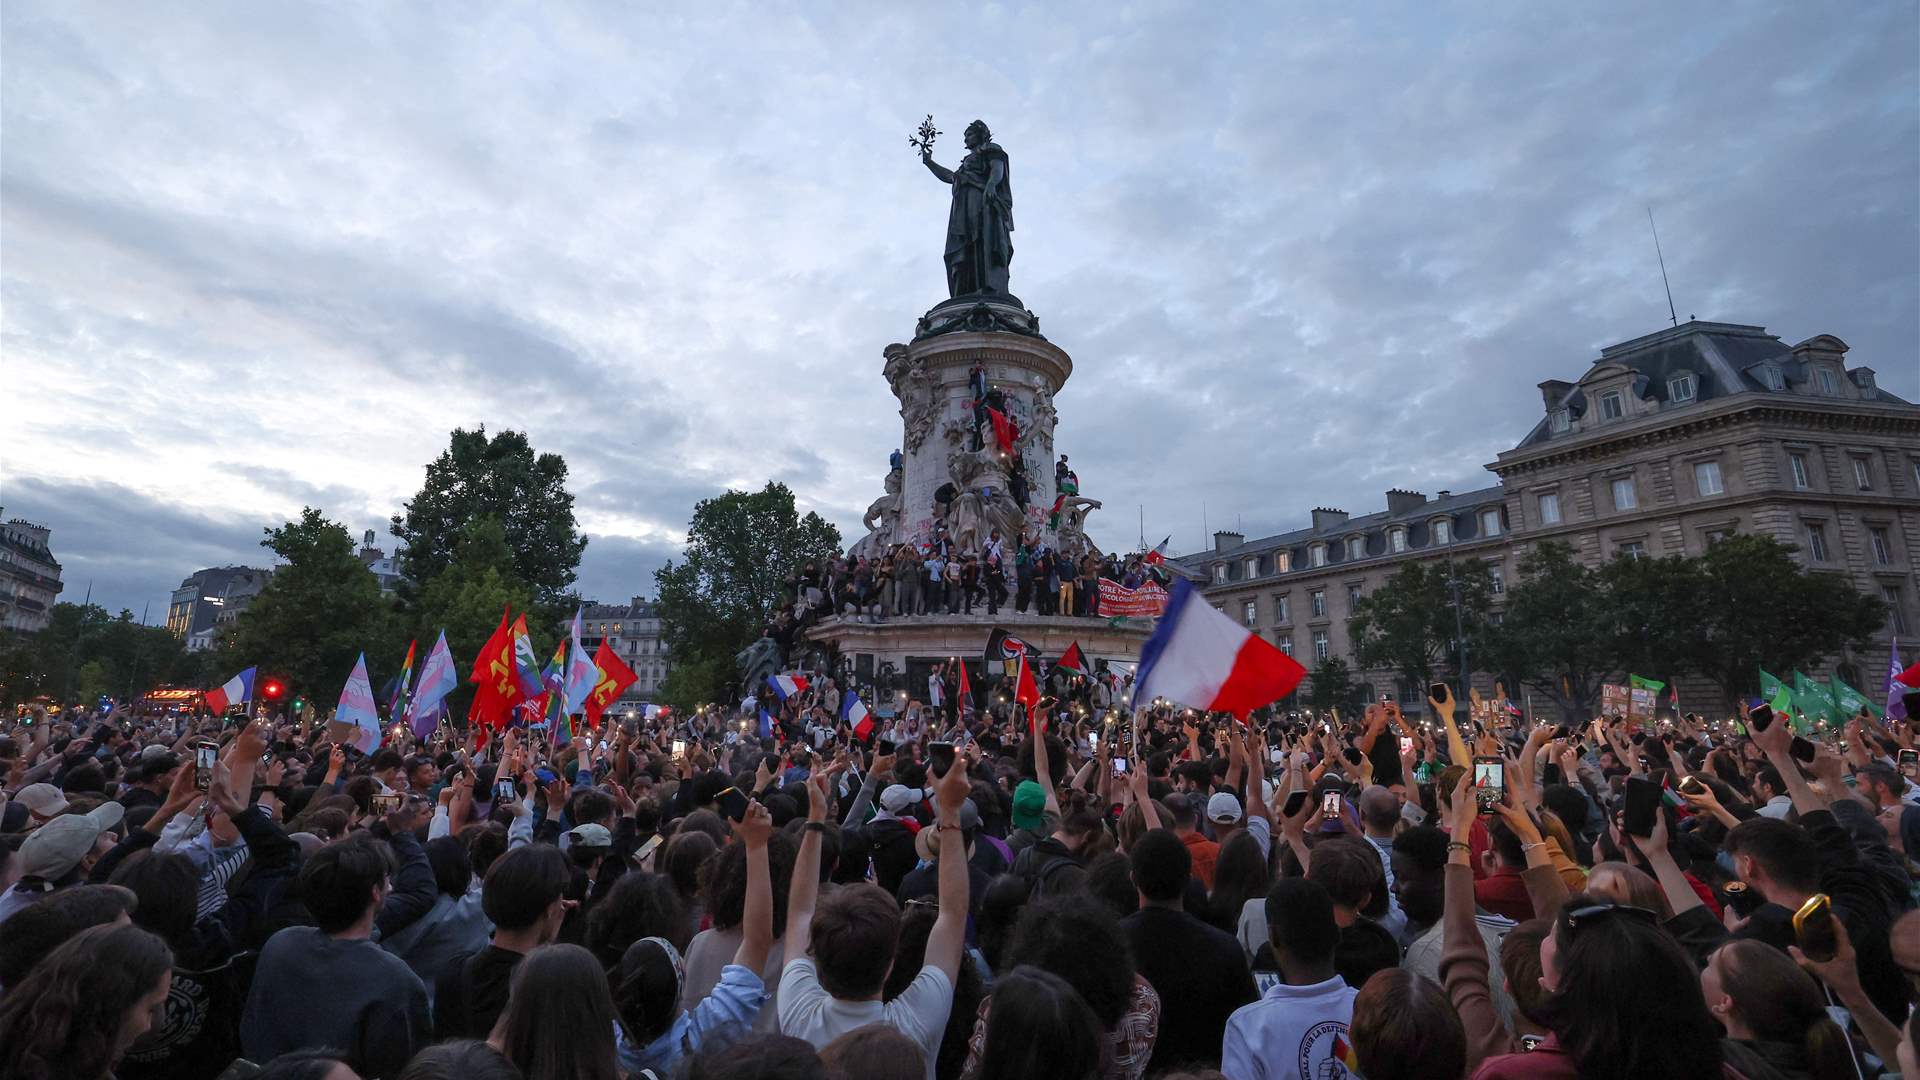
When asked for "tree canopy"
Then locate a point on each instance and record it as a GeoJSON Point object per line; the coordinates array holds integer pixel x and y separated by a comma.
{"type": "Point", "coordinates": [317, 613]}
{"type": "Point", "coordinates": [741, 549]}
{"type": "Point", "coordinates": [84, 652]}
{"type": "Point", "coordinates": [1408, 624]}
{"type": "Point", "coordinates": [502, 478]}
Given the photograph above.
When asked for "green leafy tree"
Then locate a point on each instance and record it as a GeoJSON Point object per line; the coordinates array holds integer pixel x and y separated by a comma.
{"type": "Point", "coordinates": [1557, 635]}
{"type": "Point", "coordinates": [83, 652]}
{"type": "Point", "coordinates": [1332, 687]}
{"type": "Point", "coordinates": [741, 548]}
{"type": "Point", "coordinates": [1408, 624]}
{"type": "Point", "coordinates": [1758, 607]}
{"type": "Point", "coordinates": [502, 478]}
{"type": "Point", "coordinates": [319, 611]}
{"type": "Point", "coordinates": [466, 600]}
{"type": "Point", "coordinates": [1655, 609]}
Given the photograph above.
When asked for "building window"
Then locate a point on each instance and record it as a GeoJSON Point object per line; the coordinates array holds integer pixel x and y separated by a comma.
{"type": "Point", "coordinates": [1550, 508]}
{"type": "Point", "coordinates": [1489, 523]}
{"type": "Point", "coordinates": [1862, 474]}
{"type": "Point", "coordinates": [1714, 536]}
{"type": "Point", "coordinates": [1633, 549]}
{"type": "Point", "coordinates": [1317, 554]}
{"type": "Point", "coordinates": [1286, 644]}
{"type": "Point", "coordinates": [1770, 377]}
{"type": "Point", "coordinates": [1282, 610]}
{"type": "Point", "coordinates": [1317, 600]}
{"type": "Point", "coordinates": [1356, 548]}
{"type": "Point", "coordinates": [1624, 497]}
{"type": "Point", "coordinates": [1219, 573]}
{"type": "Point", "coordinates": [1891, 594]}
{"type": "Point", "coordinates": [1320, 646]}
{"type": "Point", "coordinates": [1397, 539]}
{"type": "Point", "coordinates": [1612, 405]}
{"type": "Point", "coordinates": [1798, 463]}
{"type": "Point", "coordinates": [1816, 542]}
{"type": "Point", "coordinates": [1828, 384]}
{"type": "Point", "coordinates": [1250, 612]}
{"type": "Point", "coordinates": [1253, 567]}
{"type": "Point", "coordinates": [1353, 598]}
{"type": "Point", "coordinates": [1680, 388]}
{"type": "Point", "coordinates": [1443, 531]}
{"type": "Point", "coordinates": [1882, 547]}
{"type": "Point", "coordinates": [1706, 478]}
{"type": "Point", "coordinates": [1558, 421]}
{"type": "Point", "coordinates": [1282, 561]}
{"type": "Point", "coordinates": [1499, 578]}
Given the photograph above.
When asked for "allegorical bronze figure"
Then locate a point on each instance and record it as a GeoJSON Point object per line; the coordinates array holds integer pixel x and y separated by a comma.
{"type": "Point", "coordinates": [980, 223]}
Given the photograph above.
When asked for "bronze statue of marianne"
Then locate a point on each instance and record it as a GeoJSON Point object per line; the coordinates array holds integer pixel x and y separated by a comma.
{"type": "Point", "coordinates": [980, 224]}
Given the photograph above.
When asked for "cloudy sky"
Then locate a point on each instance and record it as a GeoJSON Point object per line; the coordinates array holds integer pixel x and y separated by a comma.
{"type": "Point", "coordinates": [263, 256]}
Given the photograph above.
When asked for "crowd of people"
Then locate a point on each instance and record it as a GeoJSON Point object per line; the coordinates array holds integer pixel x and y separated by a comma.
{"type": "Point", "coordinates": [1077, 893]}
{"type": "Point", "coordinates": [1020, 574]}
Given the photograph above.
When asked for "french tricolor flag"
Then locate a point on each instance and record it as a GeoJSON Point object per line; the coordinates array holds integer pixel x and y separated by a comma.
{"type": "Point", "coordinates": [854, 711]}
{"type": "Point", "coordinates": [238, 690]}
{"type": "Point", "coordinates": [1204, 660]}
{"type": "Point", "coordinates": [787, 685]}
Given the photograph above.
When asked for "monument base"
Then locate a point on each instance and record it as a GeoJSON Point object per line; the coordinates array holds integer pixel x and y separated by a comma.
{"type": "Point", "coordinates": [899, 653]}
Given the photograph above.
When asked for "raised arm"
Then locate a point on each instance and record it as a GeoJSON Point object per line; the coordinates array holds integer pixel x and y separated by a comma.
{"type": "Point", "coordinates": [1443, 708]}
{"type": "Point", "coordinates": [756, 926]}
{"type": "Point", "coordinates": [948, 937]}
{"type": "Point", "coordinates": [945, 174]}
{"type": "Point", "coordinates": [1043, 772]}
{"type": "Point", "coordinates": [805, 889]}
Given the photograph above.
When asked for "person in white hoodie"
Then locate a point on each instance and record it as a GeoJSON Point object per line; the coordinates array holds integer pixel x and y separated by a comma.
{"type": "Point", "coordinates": [1299, 1025]}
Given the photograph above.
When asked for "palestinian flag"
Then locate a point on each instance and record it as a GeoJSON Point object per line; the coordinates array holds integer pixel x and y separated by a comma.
{"type": "Point", "coordinates": [1073, 660]}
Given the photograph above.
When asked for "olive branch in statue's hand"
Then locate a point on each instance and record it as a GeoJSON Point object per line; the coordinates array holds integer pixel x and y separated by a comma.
{"type": "Point", "coordinates": [923, 138]}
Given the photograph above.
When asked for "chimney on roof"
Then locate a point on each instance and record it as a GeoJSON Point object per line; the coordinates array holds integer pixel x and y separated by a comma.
{"type": "Point", "coordinates": [1325, 518]}
{"type": "Point", "coordinates": [1400, 501]}
{"type": "Point", "coordinates": [639, 600]}
{"type": "Point", "coordinates": [1224, 540]}
{"type": "Point", "coordinates": [1553, 392]}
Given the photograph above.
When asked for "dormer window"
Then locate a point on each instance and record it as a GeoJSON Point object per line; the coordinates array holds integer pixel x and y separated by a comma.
{"type": "Point", "coordinates": [1680, 388]}
{"type": "Point", "coordinates": [1612, 405]}
{"type": "Point", "coordinates": [1356, 548]}
{"type": "Point", "coordinates": [1397, 539]}
{"type": "Point", "coordinates": [1317, 554]}
{"type": "Point", "coordinates": [1442, 531]}
{"type": "Point", "coordinates": [1558, 422]}
{"type": "Point", "coordinates": [1282, 561]}
{"type": "Point", "coordinates": [1863, 379]}
{"type": "Point", "coordinates": [1490, 522]}
{"type": "Point", "coordinates": [1770, 378]}
{"type": "Point", "coordinates": [1829, 385]}
{"type": "Point", "coordinates": [1253, 568]}
{"type": "Point", "coordinates": [1219, 573]}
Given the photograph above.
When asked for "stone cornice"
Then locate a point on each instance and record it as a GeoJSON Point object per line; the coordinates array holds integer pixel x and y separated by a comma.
{"type": "Point", "coordinates": [1740, 411]}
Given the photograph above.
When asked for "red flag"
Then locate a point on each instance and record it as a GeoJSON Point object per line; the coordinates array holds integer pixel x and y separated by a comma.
{"type": "Point", "coordinates": [966, 691]}
{"type": "Point", "coordinates": [1072, 659]}
{"type": "Point", "coordinates": [1025, 690]}
{"type": "Point", "coordinates": [1005, 431]}
{"type": "Point", "coordinates": [611, 678]}
{"type": "Point", "coordinates": [496, 690]}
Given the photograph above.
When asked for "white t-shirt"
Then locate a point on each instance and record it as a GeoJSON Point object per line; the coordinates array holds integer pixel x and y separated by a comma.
{"type": "Point", "coordinates": [809, 1012]}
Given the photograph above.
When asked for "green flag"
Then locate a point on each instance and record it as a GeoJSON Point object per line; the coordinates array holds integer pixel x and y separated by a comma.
{"type": "Point", "coordinates": [1775, 694]}
{"type": "Point", "coordinates": [1638, 683]}
{"type": "Point", "coordinates": [1813, 700]}
{"type": "Point", "coordinates": [1851, 701]}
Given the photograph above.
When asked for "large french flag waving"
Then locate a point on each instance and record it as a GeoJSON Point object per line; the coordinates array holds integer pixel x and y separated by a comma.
{"type": "Point", "coordinates": [1204, 660]}
{"type": "Point", "coordinates": [237, 691]}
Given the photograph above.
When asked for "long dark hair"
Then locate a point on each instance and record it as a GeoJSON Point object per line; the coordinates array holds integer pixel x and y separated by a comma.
{"type": "Point", "coordinates": [559, 1016]}
{"type": "Point", "coordinates": [1038, 1025]}
{"type": "Point", "coordinates": [65, 1018]}
{"type": "Point", "coordinates": [1781, 1003]}
{"type": "Point", "coordinates": [1239, 875]}
{"type": "Point", "coordinates": [1628, 1001]}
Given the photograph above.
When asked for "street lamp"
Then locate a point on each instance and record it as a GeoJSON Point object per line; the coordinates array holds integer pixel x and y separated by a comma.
{"type": "Point", "coordinates": [1453, 588]}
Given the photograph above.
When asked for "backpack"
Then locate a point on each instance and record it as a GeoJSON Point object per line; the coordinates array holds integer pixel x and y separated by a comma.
{"type": "Point", "coordinates": [1040, 878]}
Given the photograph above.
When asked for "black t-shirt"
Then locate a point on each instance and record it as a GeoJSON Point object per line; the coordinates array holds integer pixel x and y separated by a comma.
{"type": "Point", "coordinates": [1201, 975]}
{"type": "Point", "coordinates": [1385, 755]}
{"type": "Point", "coordinates": [472, 994]}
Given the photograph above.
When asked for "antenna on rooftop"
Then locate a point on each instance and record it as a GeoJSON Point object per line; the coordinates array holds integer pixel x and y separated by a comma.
{"type": "Point", "coordinates": [1671, 314]}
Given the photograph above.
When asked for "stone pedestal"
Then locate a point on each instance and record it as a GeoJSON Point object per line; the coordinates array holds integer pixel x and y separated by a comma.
{"type": "Point", "coordinates": [931, 378]}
